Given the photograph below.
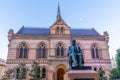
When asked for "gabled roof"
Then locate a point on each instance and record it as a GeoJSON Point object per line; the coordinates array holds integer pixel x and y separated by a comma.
{"type": "Point", "coordinates": [44, 31]}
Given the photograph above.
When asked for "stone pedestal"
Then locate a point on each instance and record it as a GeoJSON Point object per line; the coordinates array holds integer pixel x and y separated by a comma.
{"type": "Point", "coordinates": [81, 75]}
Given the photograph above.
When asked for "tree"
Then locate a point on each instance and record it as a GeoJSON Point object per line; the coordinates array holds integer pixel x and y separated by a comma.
{"type": "Point", "coordinates": [113, 74]}
{"type": "Point", "coordinates": [101, 74]}
{"type": "Point", "coordinates": [35, 71]}
{"type": "Point", "coordinates": [118, 62]}
{"type": "Point", "coordinates": [21, 74]}
{"type": "Point", "coordinates": [7, 75]}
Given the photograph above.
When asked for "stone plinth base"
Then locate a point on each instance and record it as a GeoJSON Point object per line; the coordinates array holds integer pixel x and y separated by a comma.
{"type": "Point", "coordinates": [82, 68]}
{"type": "Point", "coordinates": [81, 75]}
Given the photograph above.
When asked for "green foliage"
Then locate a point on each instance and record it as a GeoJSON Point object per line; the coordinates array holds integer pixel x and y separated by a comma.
{"type": "Point", "coordinates": [22, 72]}
{"type": "Point", "coordinates": [113, 74]}
{"type": "Point", "coordinates": [35, 71]}
{"type": "Point", "coordinates": [7, 75]}
{"type": "Point", "coordinates": [118, 62]}
{"type": "Point", "coordinates": [101, 74]}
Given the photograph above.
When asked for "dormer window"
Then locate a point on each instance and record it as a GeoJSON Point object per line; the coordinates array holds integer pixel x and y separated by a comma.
{"type": "Point", "coordinates": [59, 30]}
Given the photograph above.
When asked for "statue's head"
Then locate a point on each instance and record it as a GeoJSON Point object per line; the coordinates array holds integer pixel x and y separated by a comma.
{"type": "Point", "coordinates": [73, 42]}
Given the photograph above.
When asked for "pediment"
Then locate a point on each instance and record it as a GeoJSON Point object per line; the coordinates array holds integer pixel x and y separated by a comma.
{"type": "Point", "coordinates": [60, 22]}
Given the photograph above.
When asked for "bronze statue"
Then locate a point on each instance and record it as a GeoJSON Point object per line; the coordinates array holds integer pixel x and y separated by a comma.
{"type": "Point", "coordinates": [75, 55]}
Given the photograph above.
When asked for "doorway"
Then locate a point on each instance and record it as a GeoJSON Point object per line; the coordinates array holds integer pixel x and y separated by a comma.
{"type": "Point", "coordinates": [60, 74]}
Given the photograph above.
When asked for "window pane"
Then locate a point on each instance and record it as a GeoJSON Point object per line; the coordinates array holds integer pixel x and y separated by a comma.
{"type": "Point", "coordinates": [58, 51]}
{"type": "Point", "coordinates": [44, 52]}
{"type": "Point", "coordinates": [25, 52]}
{"type": "Point", "coordinates": [43, 73]}
{"type": "Point", "coordinates": [21, 52]}
{"type": "Point", "coordinates": [62, 51]}
{"type": "Point", "coordinates": [39, 53]}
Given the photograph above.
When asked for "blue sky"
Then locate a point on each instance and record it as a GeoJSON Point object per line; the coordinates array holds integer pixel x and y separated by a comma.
{"type": "Point", "coordinates": [103, 15]}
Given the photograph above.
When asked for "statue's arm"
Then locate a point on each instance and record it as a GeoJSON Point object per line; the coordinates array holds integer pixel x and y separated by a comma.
{"type": "Point", "coordinates": [80, 50]}
{"type": "Point", "coordinates": [68, 51]}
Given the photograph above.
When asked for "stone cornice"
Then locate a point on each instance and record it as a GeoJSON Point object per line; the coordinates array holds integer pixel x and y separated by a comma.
{"type": "Point", "coordinates": [46, 61]}
{"type": "Point", "coordinates": [47, 37]}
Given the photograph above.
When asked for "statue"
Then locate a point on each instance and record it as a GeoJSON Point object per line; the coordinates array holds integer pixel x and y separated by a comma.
{"type": "Point", "coordinates": [75, 55]}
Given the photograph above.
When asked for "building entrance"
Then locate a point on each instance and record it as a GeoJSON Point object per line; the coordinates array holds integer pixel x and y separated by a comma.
{"type": "Point", "coordinates": [60, 74]}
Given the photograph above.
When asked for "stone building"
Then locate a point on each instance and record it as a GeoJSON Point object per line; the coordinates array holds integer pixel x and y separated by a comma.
{"type": "Point", "coordinates": [2, 67]}
{"type": "Point", "coordinates": [48, 46]}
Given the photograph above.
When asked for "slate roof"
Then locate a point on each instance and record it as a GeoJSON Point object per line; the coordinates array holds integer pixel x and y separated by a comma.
{"type": "Point", "coordinates": [24, 30]}
{"type": "Point", "coordinates": [84, 32]}
{"type": "Point", "coordinates": [43, 31]}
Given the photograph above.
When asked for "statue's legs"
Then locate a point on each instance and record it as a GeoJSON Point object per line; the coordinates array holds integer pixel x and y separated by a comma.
{"type": "Point", "coordinates": [74, 59]}
{"type": "Point", "coordinates": [80, 59]}
{"type": "Point", "coordinates": [70, 62]}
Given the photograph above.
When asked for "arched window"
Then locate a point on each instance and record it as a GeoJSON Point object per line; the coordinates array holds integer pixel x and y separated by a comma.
{"type": "Point", "coordinates": [62, 30]}
{"type": "Point", "coordinates": [60, 50]}
{"type": "Point", "coordinates": [43, 73]}
{"type": "Point", "coordinates": [95, 54]}
{"type": "Point", "coordinates": [17, 72]}
{"type": "Point", "coordinates": [42, 51]}
{"type": "Point", "coordinates": [95, 69]}
{"type": "Point", "coordinates": [59, 30]}
{"type": "Point", "coordinates": [23, 51]}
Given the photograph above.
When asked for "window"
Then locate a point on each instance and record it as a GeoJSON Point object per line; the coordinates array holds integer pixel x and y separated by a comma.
{"type": "Point", "coordinates": [23, 51]}
{"type": "Point", "coordinates": [95, 69]}
{"type": "Point", "coordinates": [62, 30]}
{"type": "Point", "coordinates": [59, 30]}
{"type": "Point", "coordinates": [43, 73]}
{"type": "Point", "coordinates": [94, 50]}
{"type": "Point", "coordinates": [42, 51]}
{"type": "Point", "coordinates": [17, 72]}
{"type": "Point", "coordinates": [60, 50]}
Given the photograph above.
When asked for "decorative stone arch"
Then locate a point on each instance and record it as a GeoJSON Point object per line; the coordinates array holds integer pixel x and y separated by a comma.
{"type": "Point", "coordinates": [57, 64]}
{"type": "Point", "coordinates": [94, 43]}
{"type": "Point", "coordinates": [44, 66]}
{"type": "Point", "coordinates": [60, 70]}
{"type": "Point", "coordinates": [61, 66]}
{"type": "Point", "coordinates": [44, 52]}
{"type": "Point", "coordinates": [42, 42]}
{"type": "Point", "coordinates": [59, 42]}
{"type": "Point", "coordinates": [25, 54]}
{"type": "Point", "coordinates": [19, 44]}
{"type": "Point", "coordinates": [60, 49]}
{"type": "Point", "coordinates": [46, 71]}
